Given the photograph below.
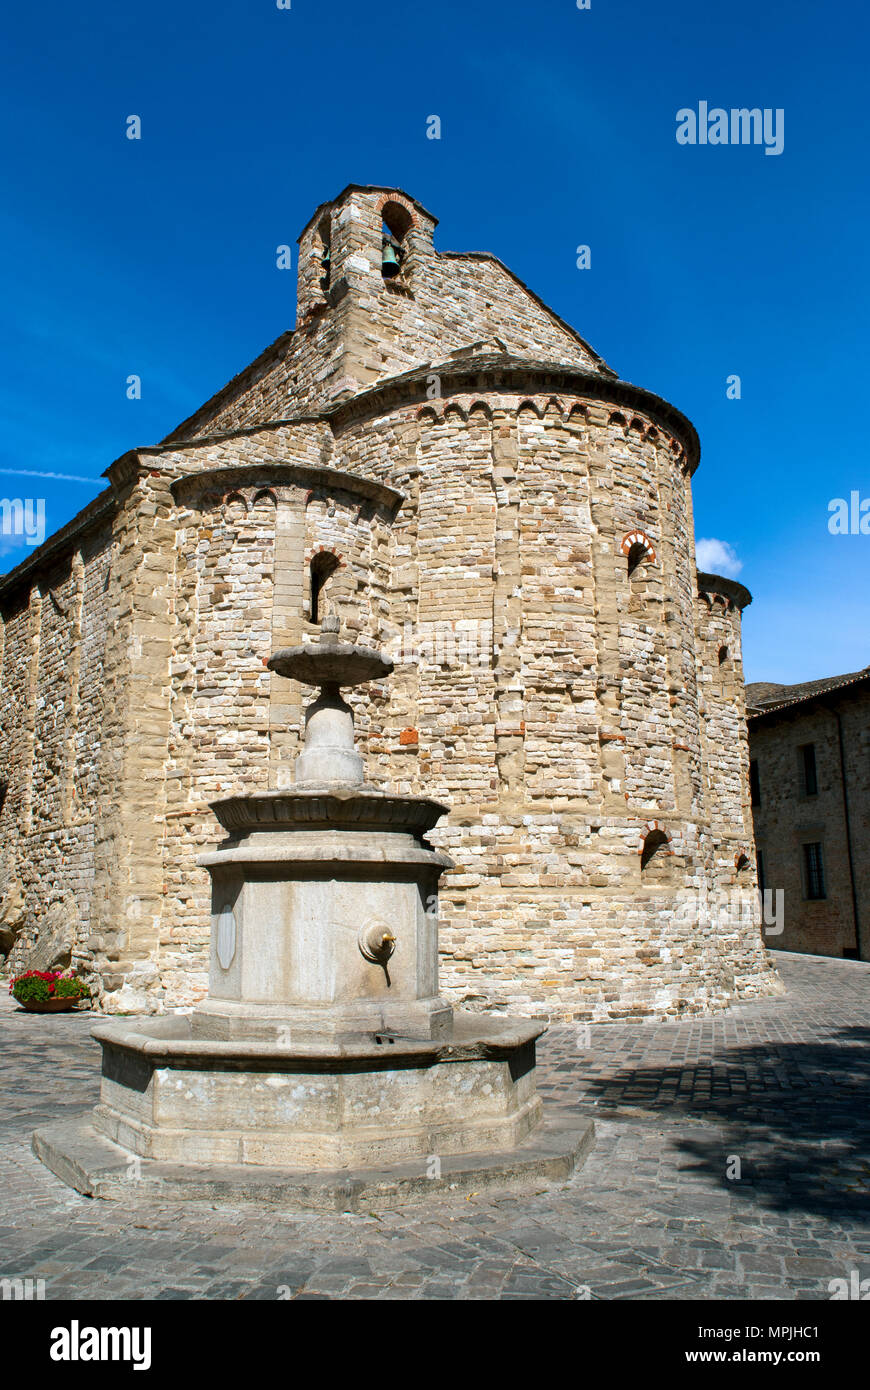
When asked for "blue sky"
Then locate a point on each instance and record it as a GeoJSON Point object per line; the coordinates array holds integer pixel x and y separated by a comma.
{"type": "Point", "coordinates": [157, 257]}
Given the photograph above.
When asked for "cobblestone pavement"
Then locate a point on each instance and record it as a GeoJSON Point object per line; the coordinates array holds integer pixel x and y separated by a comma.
{"type": "Point", "coordinates": [782, 1085]}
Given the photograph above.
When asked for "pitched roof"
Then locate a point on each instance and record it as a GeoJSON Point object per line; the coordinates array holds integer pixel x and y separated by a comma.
{"type": "Point", "coordinates": [765, 697]}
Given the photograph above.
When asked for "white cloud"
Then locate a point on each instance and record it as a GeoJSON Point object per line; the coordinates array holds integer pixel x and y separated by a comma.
{"type": "Point", "coordinates": [717, 557]}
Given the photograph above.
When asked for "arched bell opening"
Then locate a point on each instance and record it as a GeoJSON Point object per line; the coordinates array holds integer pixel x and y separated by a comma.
{"type": "Point", "coordinates": [324, 232]}
{"type": "Point", "coordinates": [396, 221]}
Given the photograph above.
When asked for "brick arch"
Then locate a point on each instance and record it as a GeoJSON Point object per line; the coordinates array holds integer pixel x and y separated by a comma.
{"type": "Point", "coordinates": [529, 404]}
{"type": "Point", "coordinates": [399, 201]}
{"type": "Point", "coordinates": [265, 494]}
{"type": "Point", "coordinates": [315, 550]}
{"type": "Point", "coordinates": [711, 598]}
{"type": "Point", "coordinates": [655, 843]}
{"type": "Point", "coordinates": [648, 828]}
{"type": "Point", "coordinates": [635, 538]}
{"type": "Point", "coordinates": [235, 496]}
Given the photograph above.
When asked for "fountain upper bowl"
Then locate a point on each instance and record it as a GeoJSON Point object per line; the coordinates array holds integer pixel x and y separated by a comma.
{"type": "Point", "coordinates": [330, 663]}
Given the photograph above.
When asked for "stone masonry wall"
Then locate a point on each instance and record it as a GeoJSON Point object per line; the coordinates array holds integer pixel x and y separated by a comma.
{"type": "Point", "coordinates": [559, 714]}
{"type": "Point", "coordinates": [788, 818]}
{"type": "Point", "coordinates": [51, 711]}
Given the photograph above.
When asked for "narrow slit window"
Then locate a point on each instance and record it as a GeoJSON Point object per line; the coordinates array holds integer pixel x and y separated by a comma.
{"type": "Point", "coordinates": [808, 769]}
{"type": "Point", "coordinates": [635, 557]}
{"type": "Point", "coordinates": [814, 872]}
{"type": "Point", "coordinates": [652, 845]}
{"type": "Point", "coordinates": [754, 784]}
{"type": "Point", "coordinates": [323, 566]}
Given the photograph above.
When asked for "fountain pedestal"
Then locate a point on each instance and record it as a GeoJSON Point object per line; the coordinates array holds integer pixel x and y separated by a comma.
{"type": "Point", "coordinates": [324, 1055]}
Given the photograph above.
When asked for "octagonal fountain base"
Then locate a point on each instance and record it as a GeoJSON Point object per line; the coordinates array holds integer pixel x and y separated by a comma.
{"type": "Point", "coordinates": [319, 1125]}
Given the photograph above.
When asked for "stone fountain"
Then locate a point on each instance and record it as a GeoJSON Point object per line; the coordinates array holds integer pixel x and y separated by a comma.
{"type": "Point", "coordinates": [323, 1068]}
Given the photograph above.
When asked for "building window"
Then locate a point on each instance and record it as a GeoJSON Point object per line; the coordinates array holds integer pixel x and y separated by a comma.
{"type": "Point", "coordinates": [637, 547]}
{"type": "Point", "coordinates": [723, 656]}
{"type": "Point", "coordinates": [809, 777]}
{"type": "Point", "coordinates": [636, 556]}
{"type": "Point", "coordinates": [814, 872]}
{"type": "Point", "coordinates": [323, 566]}
{"type": "Point", "coordinates": [4, 788]}
{"type": "Point", "coordinates": [759, 860]}
{"type": "Point", "coordinates": [754, 784]}
{"type": "Point", "coordinates": [653, 843]}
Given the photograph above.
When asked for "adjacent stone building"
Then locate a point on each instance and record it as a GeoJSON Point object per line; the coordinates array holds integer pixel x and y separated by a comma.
{"type": "Point", "coordinates": [434, 455]}
{"type": "Point", "coordinates": [810, 787]}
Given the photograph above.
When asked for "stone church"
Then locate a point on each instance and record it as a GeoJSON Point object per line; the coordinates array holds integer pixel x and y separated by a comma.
{"type": "Point", "coordinates": [433, 455]}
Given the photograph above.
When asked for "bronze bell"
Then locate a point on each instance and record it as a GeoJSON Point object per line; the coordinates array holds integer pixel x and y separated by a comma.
{"type": "Point", "coordinates": [390, 264]}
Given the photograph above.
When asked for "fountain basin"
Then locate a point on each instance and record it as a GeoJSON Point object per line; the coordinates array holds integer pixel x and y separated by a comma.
{"type": "Point", "coordinates": [316, 1104]}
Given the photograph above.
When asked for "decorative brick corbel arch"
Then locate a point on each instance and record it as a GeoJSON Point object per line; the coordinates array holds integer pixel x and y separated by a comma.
{"type": "Point", "coordinates": [235, 496]}
{"type": "Point", "coordinates": [711, 598]}
{"type": "Point", "coordinates": [264, 494]}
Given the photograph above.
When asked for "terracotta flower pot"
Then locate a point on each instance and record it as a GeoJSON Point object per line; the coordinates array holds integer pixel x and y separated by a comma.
{"type": "Point", "coordinates": [48, 1006]}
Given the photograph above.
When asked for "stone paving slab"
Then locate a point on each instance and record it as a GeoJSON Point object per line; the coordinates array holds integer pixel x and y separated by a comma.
{"type": "Point", "coordinates": [781, 1085]}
